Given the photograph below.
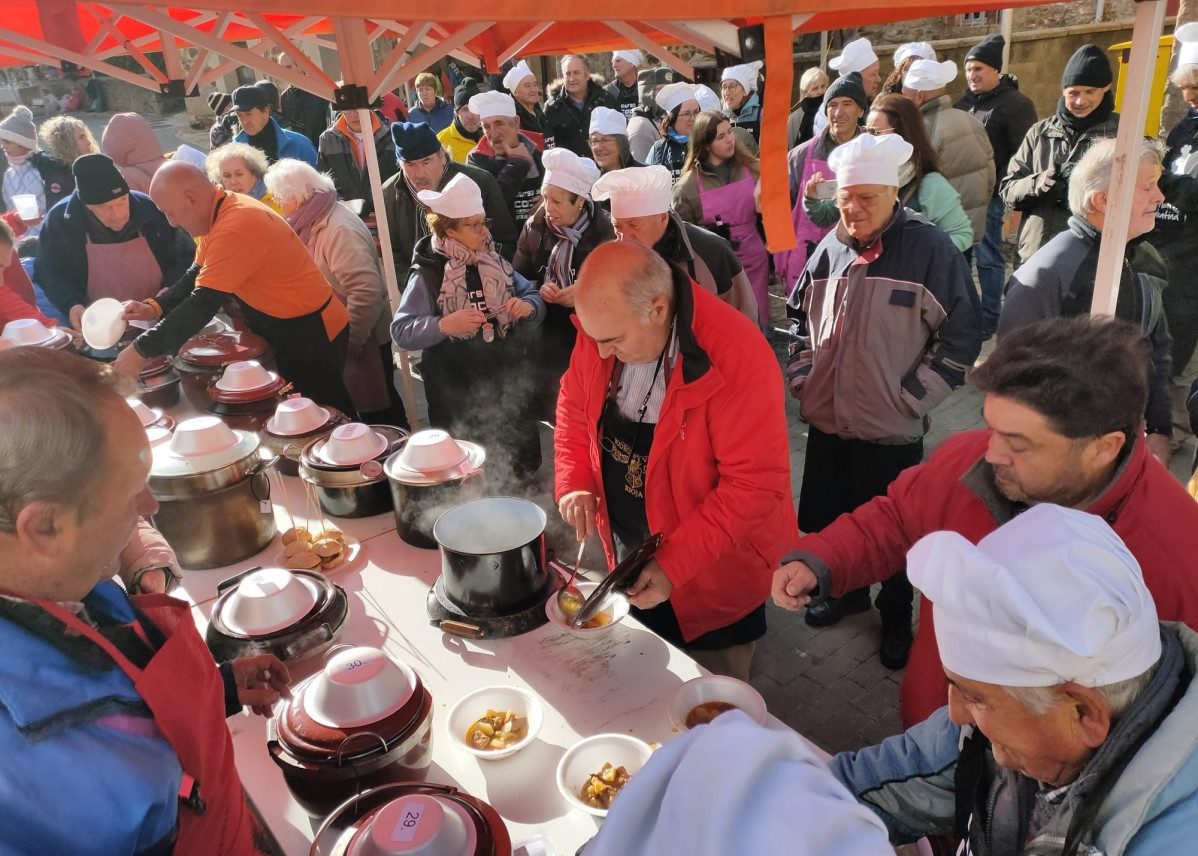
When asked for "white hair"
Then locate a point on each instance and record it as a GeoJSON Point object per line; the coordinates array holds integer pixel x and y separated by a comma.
{"type": "Point", "coordinates": [561, 66]}
{"type": "Point", "coordinates": [254, 159]}
{"type": "Point", "coordinates": [292, 182]}
{"type": "Point", "coordinates": [1184, 74]}
{"type": "Point", "coordinates": [1092, 174]}
{"type": "Point", "coordinates": [1119, 695]}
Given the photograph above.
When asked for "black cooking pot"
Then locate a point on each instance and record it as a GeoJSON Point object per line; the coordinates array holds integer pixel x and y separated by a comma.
{"type": "Point", "coordinates": [158, 384]}
{"type": "Point", "coordinates": [420, 497]}
{"type": "Point", "coordinates": [359, 490]}
{"type": "Point", "coordinates": [493, 556]}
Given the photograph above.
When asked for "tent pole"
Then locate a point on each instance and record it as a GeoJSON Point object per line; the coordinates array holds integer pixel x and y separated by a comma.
{"type": "Point", "coordinates": [1150, 20]}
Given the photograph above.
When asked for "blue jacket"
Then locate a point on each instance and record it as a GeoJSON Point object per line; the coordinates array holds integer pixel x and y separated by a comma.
{"type": "Point", "coordinates": [439, 118]}
{"type": "Point", "coordinates": [70, 781]}
{"type": "Point", "coordinates": [291, 144]}
{"type": "Point", "coordinates": [61, 265]}
{"type": "Point", "coordinates": [1148, 807]}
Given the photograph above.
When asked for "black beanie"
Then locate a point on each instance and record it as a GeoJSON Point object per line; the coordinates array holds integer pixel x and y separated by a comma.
{"type": "Point", "coordinates": [465, 90]}
{"type": "Point", "coordinates": [1088, 66]}
{"type": "Point", "coordinates": [97, 180]}
{"type": "Point", "coordinates": [989, 51]}
{"type": "Point", "coordinates": [847, 86]}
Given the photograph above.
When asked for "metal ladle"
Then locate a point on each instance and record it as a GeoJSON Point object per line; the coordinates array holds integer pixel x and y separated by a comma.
{"type": "Point", "coordinates": [569, 597]}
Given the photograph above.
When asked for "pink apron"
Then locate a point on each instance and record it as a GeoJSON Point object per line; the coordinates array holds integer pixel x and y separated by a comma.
{"type": "Point", "coordinates": [735, 206]}
{"type": "Point", "coordinates": [126, 271]}
{"type": "Point", "coordinates": [790, 263]}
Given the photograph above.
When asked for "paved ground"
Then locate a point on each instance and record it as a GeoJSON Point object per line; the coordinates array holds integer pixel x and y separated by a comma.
{"type": "Point", "coordinates": [825, 683]}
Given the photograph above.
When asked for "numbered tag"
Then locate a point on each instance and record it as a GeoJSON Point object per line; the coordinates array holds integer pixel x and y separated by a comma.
{"type": "Point", "coordinates": [408, 824]}
{"type": "Point", "coordinates": [265, 506]}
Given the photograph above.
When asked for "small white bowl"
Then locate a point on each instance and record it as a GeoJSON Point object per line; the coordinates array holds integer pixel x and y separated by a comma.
{"type": "Point", "coordinates": [296, 416]}
{"type": "Point", "coordinates": [473, 706]}
{"type": "Point", "coordinates": [267, 601]}
{"type": "Point", "coordinates": [245, 376]}
{"type": "Point", "coordinates": [416, 824]}
{"type": "Point", "coordinates": [353, 443]}
{"type": "Point", "coordinates": [203, 435]}
{"type": "Point", "coordinates": [616, 604]}
{"type": "Point", "coordinates": [431, 451]}
{"type": "Point", "coordinates": [587, 757]}
{"type": "Point", "coordinates": [715, 688]}
{"type": "Point", "coordinates": [27, 331]}
{"type": "Point", "coordinates": [147, 416]}
{"type": "Point", "coordinates": [102, 325]}
{"type": "Point", "coordinates": [359, 686]}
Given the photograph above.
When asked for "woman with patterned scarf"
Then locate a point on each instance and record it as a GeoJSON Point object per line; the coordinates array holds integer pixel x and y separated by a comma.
{"type": "Point", "coordinates": [476, 321]}
{"type": "Point", "coordinates": [554, 243]}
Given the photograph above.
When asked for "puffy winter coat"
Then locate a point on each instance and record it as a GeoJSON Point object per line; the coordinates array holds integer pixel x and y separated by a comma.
{"type": "Point", "coordinates": [966, 157]}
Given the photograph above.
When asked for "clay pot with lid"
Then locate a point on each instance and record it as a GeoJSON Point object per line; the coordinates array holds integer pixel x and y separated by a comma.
{"type": "Point", "coordinates": [203, 358]}
{"type": "Point", "coordinates": [346, 468]}
{"type": "Point", "coordinates": [432, 473]}
{"type": "Point", "coordinates": [213, 494]}
{"type": "Point", "coordinates": [246, 394]}
{"type": "Point", "coordinates": [297, 422]}
{"type": "Point", "coordinates": [363, 720]}
{"type": "Point", "coordinates": [291, 614]}
{"type": "Point", "coordinates": [158, 384]}
{"type": "Point", "coordinates": [418, 818]}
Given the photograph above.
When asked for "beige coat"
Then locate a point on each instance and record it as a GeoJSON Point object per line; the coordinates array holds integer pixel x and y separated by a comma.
{"type": "Point", "coordinates": [344, 251]}
{"type": "Point", "coordinates": [966, 157]}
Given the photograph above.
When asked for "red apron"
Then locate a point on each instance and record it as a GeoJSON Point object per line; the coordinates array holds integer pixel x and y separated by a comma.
{"type": "Point", "coordinates": [185, 693]}
{"type": "Point", "coordinates": [126, 271]}
{"type": "Point", "coordinates": [735, 205]}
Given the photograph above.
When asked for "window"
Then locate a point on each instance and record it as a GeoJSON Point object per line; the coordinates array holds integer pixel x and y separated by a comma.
{"type": "Point", "coordinates": [974, 19]}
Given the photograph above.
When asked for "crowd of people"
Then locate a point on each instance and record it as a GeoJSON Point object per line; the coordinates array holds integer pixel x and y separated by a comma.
{"type": "Point", "coordinates": [596, 261]}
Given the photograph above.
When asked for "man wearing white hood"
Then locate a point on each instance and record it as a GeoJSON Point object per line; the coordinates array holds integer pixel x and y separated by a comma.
{"type": "Point", "coordinates": [1069, 728]}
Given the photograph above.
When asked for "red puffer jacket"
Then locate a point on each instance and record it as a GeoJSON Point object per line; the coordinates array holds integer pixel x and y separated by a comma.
{"type": "Point", "coordinates": [718, 480]}
{"type": "Point", "coordinates": [954, 490]}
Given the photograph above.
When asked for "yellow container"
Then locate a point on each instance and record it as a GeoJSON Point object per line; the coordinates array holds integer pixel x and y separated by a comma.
{"type": "Point", "coordinates": [1160, 80]}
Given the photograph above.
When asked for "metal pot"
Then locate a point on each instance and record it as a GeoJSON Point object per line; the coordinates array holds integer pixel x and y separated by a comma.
{"type": "Point", "coordinates": [420, 498]}
{"type": "Point", "coordinates": [493, 556]}
{"type": "Point", "coordinates": [359, 490]}
{"type": "Point", "coordinates": [203, 358]}
{"type": "Point", "coordinates": [158, 384]}
{"type": "Point", "coordinates": [289, 448]}
{"type": "Point", "coordinates": [215, 516]}
{"type": "Point", "coordinates": [247, 410]}
{"type": "Point", "coordinates": [386, 807]}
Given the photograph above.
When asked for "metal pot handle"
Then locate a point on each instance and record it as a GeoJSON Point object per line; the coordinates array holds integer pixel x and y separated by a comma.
{"type": "Point", "coordinates": [261, 476]}
{"type": "Point", "coordinates": [377, 737]}
{"type": "Point", "coordinates": [312, 639]}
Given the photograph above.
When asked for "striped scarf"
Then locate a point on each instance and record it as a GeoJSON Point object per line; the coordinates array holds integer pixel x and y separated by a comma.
{"type": "Point", "coordinates": [561, 258]}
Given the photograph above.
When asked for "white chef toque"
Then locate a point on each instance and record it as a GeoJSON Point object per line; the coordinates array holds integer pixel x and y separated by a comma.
{"type": "Point", "coordinates": [706, 98]}
{"type": "Point", "coordinates": [918, 49]}
{"type": "Point", "coordinates": [924, 75]}
{"type": "Point", "coordinates": [1052, 596]}
{"type": "Point", "coordinates": [857, 55]}
{"type": "Point", "coordinates": [460, 198]}
{"type": "Point", "coordinates": [870, 160]}
{"type": "Point", "coordinates": [1187, 34]}
{"type": "Point", "coordinates": [745, 75]}
{"type": "Point", "coordinates": [516, 75]}
{"type": "Point", "coordinates": [609, 122]}
{"type": "Point", "coordinates": [638, 191]}
{"type": "Point", "coordinates": [568, 171]}
{"type": "Point", "coordinates": [634, 57]}
{"type": "Point", "coordinates": [673, 94]}
{"type": "Point", "coordinates": [494, 103]}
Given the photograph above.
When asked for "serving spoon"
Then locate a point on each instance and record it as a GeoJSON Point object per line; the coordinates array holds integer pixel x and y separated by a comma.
{"type": "Point", "coordinates": [569, 597]}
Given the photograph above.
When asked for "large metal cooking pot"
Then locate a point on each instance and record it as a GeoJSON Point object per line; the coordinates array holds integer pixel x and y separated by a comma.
{"type": "Point", "coordinates": [214, 513]}
{"type": "Point", "coordinates": [290, 447]}
{"type": "Point", "coordinates": [493, 556]}
{"type": "Point", "coordinates": [420, 498]}
{"type": "Point", "coordinates": [359, 490]}
{"type": "Point", "coordinates": [202, 360]}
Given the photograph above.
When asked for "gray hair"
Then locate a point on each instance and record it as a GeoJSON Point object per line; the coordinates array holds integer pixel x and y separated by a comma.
{"type": "Point", "coordinates": [1119, 695]}
{"type": "Point", "coordinates": [651, 280]}
{"type": "Point", "coordinates": [811, 77]}
{"type": "Point", "coordinates": [255, 160]}
{"type": "Point", "coordinates": [561, 66]}
{"type": "Point", "coordinates": [292, 181]}
{"type": "Point", "coordinates": [1093, 172]}
{"type": "Point", "coordinates": [52, 430]}
{"type": "Point", "coordinates": [1184, 74]}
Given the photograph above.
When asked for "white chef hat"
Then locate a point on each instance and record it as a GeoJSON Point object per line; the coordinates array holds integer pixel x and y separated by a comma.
{"type": "Point", "coordinates": [924, 75]}
{"type": "Point", "coordinates": [605, 120]}
{"type": "Point", "coordinates": [775, 796]}
{"type": "Point", "coordinates": [1187, 34]}
{"type": "Point", "coordinates": [745, 75]}
{"type": "Point", "coordinates": [568, 171]}
{"type": "Point", "coordinates": [673, 94]}
{"type": "Point", "coordinates": [493, 103]}
{"type": "Point", "coordinates": [1052, 596]}
{"type": "Point", "coordinates": [634, 57]}
{"type": "Point", "coordinates": [857, 55]}
{"type": "Point", "coordinates": [460, 198]}
{"type": "Point", "coordinates": [919, 49]}
{"type": "Point", "coordinates": [638, 191]}
{"type": "Point", "coordinates": [870, 160]}
{"type": "Point", "coordinates": [516, 75]}
{"type": "Point", "coordinates": [706, 98]}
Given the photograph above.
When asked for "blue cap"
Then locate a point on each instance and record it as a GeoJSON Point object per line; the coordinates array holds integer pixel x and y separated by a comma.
{"type": "Point", "coordinates": [414, 140]}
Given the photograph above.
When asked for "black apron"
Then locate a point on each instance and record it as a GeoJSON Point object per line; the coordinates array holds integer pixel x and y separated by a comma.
{"type": "Point", "coordinates": [624, 461]}
{"type": "Point", "coordinates": [304, 353]}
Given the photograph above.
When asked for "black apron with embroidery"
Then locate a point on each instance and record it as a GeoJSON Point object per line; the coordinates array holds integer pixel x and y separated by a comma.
{"type": "Point", "coordinates": [624, 460]}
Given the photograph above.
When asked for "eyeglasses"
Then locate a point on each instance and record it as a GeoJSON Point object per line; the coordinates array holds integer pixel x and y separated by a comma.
{"type": "Point", "coordinates": [876, 132]}
{"type": "Point", "coordinates": [479, 226]}
{"type": "Point", "coordinates": [690, 114]}
{"type": "Point", "coordinates": [601, 141]}
{"type": "Point", "coordinates": [865, 200]}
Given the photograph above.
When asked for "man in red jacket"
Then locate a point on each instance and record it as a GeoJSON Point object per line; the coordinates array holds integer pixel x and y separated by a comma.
{"type": "Point", "coordinates": [1065, 402]}
{"type": "Point", "coordinates": [670, 421]}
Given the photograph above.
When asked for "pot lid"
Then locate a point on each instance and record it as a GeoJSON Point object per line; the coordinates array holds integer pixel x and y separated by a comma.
{"type": "Point", "coordinates": [267, 601]}
{"type": "Point", "coordinates": [360, 442]}
{"type": "Point", "coordinates": [473, 462]}
{"type": "Point", "coordinates": [417, 824]}
{"type": "Point", "coordinates": [358, 686]}
{"type": "Point", "coordinates": [191, 452]}
{"type": "Point", "coordinates": [155, 367]}
{"type": "Point", "coordinates": [297, 416]}
{"type": "Point", "coordinates": [217, 349]}
{"type": "Point", "coordinates": [247, 396]}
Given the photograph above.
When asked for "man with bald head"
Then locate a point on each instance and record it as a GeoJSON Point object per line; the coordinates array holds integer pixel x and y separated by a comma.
{"type": "Point", "coordinates": [249, 254]}
{"type": "Point", "coordinates": [651, 439]}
